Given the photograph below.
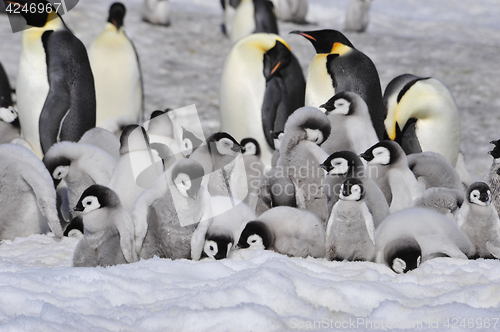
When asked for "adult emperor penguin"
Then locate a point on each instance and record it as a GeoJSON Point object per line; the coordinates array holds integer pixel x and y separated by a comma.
{"type": "Point", "coordinates": [422, 116]}
{"type": "Point", "coordinates": [342, 165]}
{"type": "Point", "coordinates": [27, 197]}
{"type": "Point", "coordinates": [358, 15]}
{"type": "Point", "coordinates": [117, 73]}
{"type": "Point", "coordinates": [173, 216]}
{"type": "Point", "coordinates": [108, 237]}
{"type": "Point", "coordinates": [229, 7]}
{"type": "Point", "coordinates": [337, 67]}
{"type": "Point", "coordinates": [286, 230]}
{"type": "Point", "coordinates": [253, 16]}
{"type": "Point", "coordinates": [479, 219]}
{"type": "Point", "coordinates": [352, 128]}
{"type": "Point", "coordinates": [55, 85]}
{"type": "Point", "coordinates": [291, 10]}
{"type": "Point", "coordinates": [350, 232]}
{"type": "Point", "coordinates": [80, 166]}
{"type": "Point", "coordinates": [411, 236]}
{"type": "Point", "coordinates": [493, 176]}
{"type": "Point", "coordinates": [156, 12]}
{"type": "Point", "coordinates": [392, 174]}
{"type": "Point", "coordinates": [261, 85]}
{"type": "Point", "coordinates": [227, 224]}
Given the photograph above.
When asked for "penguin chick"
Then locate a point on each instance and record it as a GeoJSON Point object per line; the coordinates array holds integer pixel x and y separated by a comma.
{"type": "Point", "coordinates": [172, 217]}
{"type": "Point", "coordinates": [426, 113]}
{"type": "Point", "coordinates": [277, 137]}
{"type": "Point", "coordinates": [493, 176]}
{"type": "Point", "coordinates": [253, 16]}
{"type": "Point", "coordinates": [227, 224]}
{"type": "Point", "coordinates": [156, 12]}
{"type": "Point", "coordinates": [80, 166]}
{"type": "Point", "coordinates": [10, 129]}
{"type": "Point", "coordinates": [286, 230]}
{"type": "Point", "coordinates": [350, 229]}
{"type": "Point", "coordinates": [392, 174]}
{"type": "Point", "coordinates": [346, 164]}
{"type": "Point", "coordinates": [433, 170]}
{"type": "Point", "coordinates": [443, 200]}
{"type": "Point", "coordinates": [411, 236]}
{"type": "Point", "coordinates": [103, 139]}
{"type": "Point", "coordinates": [358, 15]}
{"type": "Point", "coordinates": [27, 195]}
{"type": "Point", "coordinates": [254, 168]}
{"type": "Point", "coordinates": [478, 219]}
{"type": "Point", "coordinates": [108, 230]}
{"type": "Point", "coordinates": [117, 73]}
{"type": "Point", "coordinates": [352, 128]}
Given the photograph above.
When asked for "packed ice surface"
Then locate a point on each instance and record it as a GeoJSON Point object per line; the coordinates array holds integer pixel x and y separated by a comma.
{"type": "Point", "coordinates": [457, 42]}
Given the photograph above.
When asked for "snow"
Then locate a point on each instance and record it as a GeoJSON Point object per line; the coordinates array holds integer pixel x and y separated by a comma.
{"type": "Point", "coordinates": [457, 42]}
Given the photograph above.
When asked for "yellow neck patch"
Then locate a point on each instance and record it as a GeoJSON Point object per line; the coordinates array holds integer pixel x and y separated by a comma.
{"type": "Point", "coordinates": [340, 49]}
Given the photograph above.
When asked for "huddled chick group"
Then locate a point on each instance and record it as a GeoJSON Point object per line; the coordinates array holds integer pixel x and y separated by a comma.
{"type": "Point", "coordinates": [327, 167]}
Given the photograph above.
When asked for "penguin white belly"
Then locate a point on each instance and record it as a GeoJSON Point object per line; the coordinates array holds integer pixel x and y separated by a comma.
{"type": "Point", "coordinates": [243, 21]}
{"type": "Point", "coordinates": [319, 87]}
{"type": "Point", "coordinates": [229, 13]}
{"type": "Point", "coordinates": [117, 79]}
{"type": "Point", "coordinates": [32, 87]}
{"type": "Point", "coordinates": [241, 97]}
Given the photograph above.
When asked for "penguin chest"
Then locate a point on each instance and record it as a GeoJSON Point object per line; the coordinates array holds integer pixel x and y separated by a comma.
{"type": "Point", "coordinates": [319, 87]}
{"type": "Point", "coordinates": [243, 21]}
{"type": "Point", "coordinates": [481, 226]}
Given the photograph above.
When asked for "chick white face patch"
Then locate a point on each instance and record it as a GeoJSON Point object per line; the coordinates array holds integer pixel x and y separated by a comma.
{"type": "Point", "coordinates": [90, 203]}
{"type": "Point", "coordinates": [314, 135]}
{"type": "Point", "coordinates": [381, 155]}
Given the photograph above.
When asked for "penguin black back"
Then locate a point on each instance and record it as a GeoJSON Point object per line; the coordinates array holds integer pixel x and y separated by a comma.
{"type": "Point", "coordinates": [70, 108]}
{"type": "Point", "coordinates": [265, 19]}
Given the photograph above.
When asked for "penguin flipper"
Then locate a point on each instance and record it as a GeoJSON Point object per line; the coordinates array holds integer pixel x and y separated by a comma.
{"type": "Point", "coordinates": [370, 227]}
{"type": "Point", "coordinates": [494, 249]}
{"type": "Point", "coordinates": [409, 141]}
{"type": "Point", "coordinates": [270, 108]}
{"type": "Point", "coordinates": [125, 227]}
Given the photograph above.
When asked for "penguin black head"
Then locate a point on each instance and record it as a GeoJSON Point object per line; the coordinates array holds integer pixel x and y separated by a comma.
{"type": "Point", "coordinates": [97, 197]}
{"type": "Point", "coordinates": [250, 147]}
{"type": "Point", "coordinates": [223, 144]}
{"type": "Point", "coordinates": [343, 162]}
{"type": "Point", "coordinates": [403, 255]}
{"type": "Point", "coordinates": [125, 146]}
{"type": "Point", "coordinates": [217, 246]}
{"type": "Point", "coordinates": [117, 13]}
{"type": "Point", "coordinates": [189, 142]}
{"type": "Point", "coordinates": [384, 153]}
{"type": "Point", "coordinates": [277, 137]}
{"type": "Point", "coordinates": [187, 175]}
{"type": "Point", "coordinates": [479, 193]}
{"type": "Point", "coordinates": [495, 153]}
{"type": "Point", "coordinates": [36, 18]}
{"type": "Point", "coordinates": [276, 59]}
{"type": "Point", "coordinates": [58, 168]}
{"type": "Point", "coordinates": [158, 113]}
{"type": "Point", "coordinates": [352, 190]}
{"type": "Point", "coordinates": [324, 40]}
{"type": "Point", "coordinates": [256, 235]}
{"type": "Point", "coordinates": [9, 115]}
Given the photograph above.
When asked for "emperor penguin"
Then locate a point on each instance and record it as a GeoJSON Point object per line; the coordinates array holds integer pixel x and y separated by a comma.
{"type": "Point", "coordinates": [229, 8]}
{"type": "Point", "coordinates": [117, 73]}
{"type": "Point", "coordinates": [433, 170]}
{"type": "Point", "coordinates": [443, 200]}
{"type": "Point", "coordinates": [277, 137]}
{"type": "Point", "coordinates": [493, 176]}
{"type": "Point", "coordinates": [479, 219]}
{"type": "Point", "coordinates": [340, 166]}
{"type": "Point", "coordinates": [10, 129]}
{"type": "Point", "coordinates": [392, 174]}
{"type": "Point", "coordinates": [172, 217]}
{"type": "Point", "coordinates": [55, 85]}
{"type": "Point", "coordinates": [286, 230]}
{"type": "Point", "coordinates": [108, 237]}
{"type": "Point", "coordinates": [422, 116]}
{"type": "Point", "coordinates": [80, 166]}
{"type": "Point", "coordinates": [337, 67]}
{"type": "Point", "coordinates": [358, 15]}
{"type": "Point", "coordinates": [411, 236]}
{"type": "Point", "coordinates": [350, 232]}
{"type": "Point", "coordinates": [104, 140]}
{"type": "Point", "coordinates": [300, 154]}
{"type": "Point", "coordinates": [262, 84]}
{"type": "Point", "coordinates": [156, 12]}
{"type": "Point", "coordinates": [137, 168]}
{"type": "Point", "coordinates": [5, 89]}
{"type": "Point", "coordinates": [27, 197]}
{"type": "Point", "coordinates": [253, 16]}
{"type": "Point", "coordinates": [291, 10]}
{"type": "Point", "coordinates": [161, 134]}
{"type": "Point", "coordinates": [352, 128]}
{"type": "Point", "coordinates": [227, 224]}
{"type": "Point", "coordinates": [254, 168]}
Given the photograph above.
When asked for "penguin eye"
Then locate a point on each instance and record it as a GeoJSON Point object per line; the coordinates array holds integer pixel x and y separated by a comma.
{"type": "Point", "coordinates": [211, 248]}
{"type": "Point", "coordinates": [253, 241]}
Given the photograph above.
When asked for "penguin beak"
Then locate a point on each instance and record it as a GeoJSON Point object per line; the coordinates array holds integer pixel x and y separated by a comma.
{"type": "Point", "coordinates": [275, 68]}
{"type": "Point", "coordinates": [323, 166]}
{"type": "Point", "coordinates": [366, 156]}
{"type": "Point", "coordinates": [296, 32]}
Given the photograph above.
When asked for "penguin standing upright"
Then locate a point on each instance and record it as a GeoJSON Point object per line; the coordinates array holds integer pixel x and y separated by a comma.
{"type": "Point", "coordinates": [337, 67]}
{"type": "Point", "coordinates": [493, 176]}
{"type": "Point", "coordinates": [117, 73]}
{"type": "Point", "coordinates": [291, 10]}
{"type": "Point", "coordinates": [422, 116]}
{"type": "Point", "coordinates": [229, 7]}
{"type": "Point", "coordinates": [156, 12]}
{"type": "Point", "coordinates": [261, 85]}
{"type": "Point", "coordinates": [357, 15]}
{"type": "Point", "coordinates": [253, 16]}
{"type": "Point", "coordinates": [55, 85]}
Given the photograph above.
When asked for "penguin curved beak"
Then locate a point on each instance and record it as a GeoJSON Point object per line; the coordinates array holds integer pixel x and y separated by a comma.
{"type": "Point", "coordinates": [303, 34]}
{"type": "Point", "coordinates": [366, 156]}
